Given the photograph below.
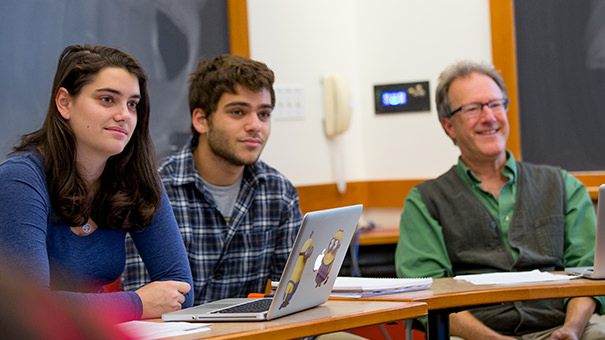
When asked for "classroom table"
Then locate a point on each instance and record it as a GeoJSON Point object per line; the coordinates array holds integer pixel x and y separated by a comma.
{"type": "Point", "coordinates": [329, 317]}
{"type": "Point", "coordinates": [379, 236]}
{"type": "Point", "coordinates": [448, 295]}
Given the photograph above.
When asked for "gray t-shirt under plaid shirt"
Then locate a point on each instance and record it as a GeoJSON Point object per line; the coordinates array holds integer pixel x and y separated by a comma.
{"type": "Point", "coordinates": [260, 232]}
{"type": "Point", "coordinates": [224, 196]}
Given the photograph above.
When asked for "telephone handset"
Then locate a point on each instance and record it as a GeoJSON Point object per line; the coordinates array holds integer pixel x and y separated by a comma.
{"type": "Point", "coordinates": [337, 105]}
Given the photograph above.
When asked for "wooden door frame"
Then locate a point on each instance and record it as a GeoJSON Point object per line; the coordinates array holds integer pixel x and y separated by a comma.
{"type": "Point", "coordinates": [237, 11]}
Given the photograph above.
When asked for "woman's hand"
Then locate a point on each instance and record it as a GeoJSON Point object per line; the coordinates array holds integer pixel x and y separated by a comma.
{"type": "Point", "coordinates": [161, 297]}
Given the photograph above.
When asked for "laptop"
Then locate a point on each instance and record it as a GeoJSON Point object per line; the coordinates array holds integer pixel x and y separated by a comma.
{"type": "Point", "coordinates": [598, 270]}
{"type": "Point", "coordinates": [307, 279]}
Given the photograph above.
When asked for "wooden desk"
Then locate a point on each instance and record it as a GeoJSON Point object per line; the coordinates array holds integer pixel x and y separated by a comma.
{"type": "Point", "coordinates": [447, 295]}
{"type": "Point", "coordinates": [380, 235]}
{"type": "Point", "coordinates": [330, 317]}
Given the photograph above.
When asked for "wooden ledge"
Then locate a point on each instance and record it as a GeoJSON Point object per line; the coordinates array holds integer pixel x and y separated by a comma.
{"type": "Point", "coordinates": [372, 194]}
{"type": "Point", "coordinates": [392, 193]}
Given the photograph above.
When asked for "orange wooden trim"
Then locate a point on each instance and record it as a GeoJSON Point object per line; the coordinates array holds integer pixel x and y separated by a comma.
{"type": "Point", "coordinates": [392, 193]}
{"type": "Point", "coordinates": [372, 194]}
{"type": "Point", "coordinates": [382, 235]}
{"type": "Point", "coordinates": [326, 196]}
{"type": "Point", "coordinates": [237, 11]}
{"type": "Point", "coordinates": [504, 58]}
{"type": "Point", "coordinates": [389, 194]}
{"type": "Point", "coordinates": [592, 180]}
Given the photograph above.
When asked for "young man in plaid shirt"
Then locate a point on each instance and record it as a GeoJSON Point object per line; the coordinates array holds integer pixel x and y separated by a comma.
{"type": "Point", "coordinates": [237, 215]}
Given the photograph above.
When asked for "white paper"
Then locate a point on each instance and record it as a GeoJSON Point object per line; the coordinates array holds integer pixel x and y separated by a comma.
{"type": "Point", "coordinates": [147, 330]}
{"type": "Point", "coordinates": [346, 283]}
{"type": "Point", "coordinates": [513, 277]}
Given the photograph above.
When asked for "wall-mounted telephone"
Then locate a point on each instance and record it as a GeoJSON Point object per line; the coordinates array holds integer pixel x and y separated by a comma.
{"type": "Point", "coordinates": [337, 105]}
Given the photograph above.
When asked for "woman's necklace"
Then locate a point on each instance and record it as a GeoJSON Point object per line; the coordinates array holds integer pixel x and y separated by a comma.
{"type": "Point", "coordinates": [87, 228]}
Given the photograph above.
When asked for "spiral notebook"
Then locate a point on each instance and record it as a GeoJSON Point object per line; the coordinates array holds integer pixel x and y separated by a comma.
{"type": "Point", "coordinates": [358, 287]}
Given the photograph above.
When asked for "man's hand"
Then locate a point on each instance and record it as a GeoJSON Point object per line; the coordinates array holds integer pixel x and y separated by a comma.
{"type": "Point", "coordinates": [564, 333]}
{"type": "Point", "coordinates": [579, 311]}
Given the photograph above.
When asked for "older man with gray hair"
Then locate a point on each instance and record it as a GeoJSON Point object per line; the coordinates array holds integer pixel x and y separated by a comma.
{"type": "Point", "coordinates": [492, 213]}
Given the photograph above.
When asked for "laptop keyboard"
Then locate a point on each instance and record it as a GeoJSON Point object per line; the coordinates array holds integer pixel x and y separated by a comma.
{"type": "Point", "coordinates": [255, 306]}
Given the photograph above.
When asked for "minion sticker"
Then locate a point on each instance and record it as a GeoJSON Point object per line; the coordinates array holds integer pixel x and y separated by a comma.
{"type": "Point", "coordinates": [303, 256]}
{"type": "Point", "coordinates": [323, 264]}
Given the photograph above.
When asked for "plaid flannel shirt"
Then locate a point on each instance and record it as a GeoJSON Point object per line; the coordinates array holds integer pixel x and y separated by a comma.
{"type": "Point", "coordinates": [228, 259]}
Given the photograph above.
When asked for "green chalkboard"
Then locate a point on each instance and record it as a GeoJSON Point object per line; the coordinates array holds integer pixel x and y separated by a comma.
{"type": "Point", "coordinates": [561, 82]}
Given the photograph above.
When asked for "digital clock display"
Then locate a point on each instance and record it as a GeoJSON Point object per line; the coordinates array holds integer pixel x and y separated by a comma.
{"type": "Point", "coordinates": [402, 97]}
{"type": "Point", "coordinates": [394, 98]}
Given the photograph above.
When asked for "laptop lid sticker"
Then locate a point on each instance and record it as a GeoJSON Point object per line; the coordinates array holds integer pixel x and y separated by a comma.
{"type": "Point", "coordinates": [301, 262]}
{"type": "Point", "coordinates": [325, 260]}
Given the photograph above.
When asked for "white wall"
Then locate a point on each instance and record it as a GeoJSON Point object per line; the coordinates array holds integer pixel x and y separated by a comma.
{"type": "Point", "coordinates": [369, 42]}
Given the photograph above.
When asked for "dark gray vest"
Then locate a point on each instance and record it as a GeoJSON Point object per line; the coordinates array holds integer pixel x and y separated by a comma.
{"type": "Point", "coordinates": [474, 242]}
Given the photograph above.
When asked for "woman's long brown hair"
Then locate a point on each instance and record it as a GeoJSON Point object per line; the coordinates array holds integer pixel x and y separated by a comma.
{"type": "Point", "coordinates": [130, 190]}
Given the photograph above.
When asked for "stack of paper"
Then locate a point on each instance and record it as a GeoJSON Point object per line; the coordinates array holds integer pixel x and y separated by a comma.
{"type": "Point", "coordinates": [512, 277]}
{"type": "Point", "coordinates": [356, 287]}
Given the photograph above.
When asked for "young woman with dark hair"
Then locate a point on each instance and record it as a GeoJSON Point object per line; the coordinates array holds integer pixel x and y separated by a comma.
{"type": "Point", "coordinates": [71, 190]}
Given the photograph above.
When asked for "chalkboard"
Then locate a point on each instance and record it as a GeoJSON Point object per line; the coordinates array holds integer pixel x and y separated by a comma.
{"type": "Point", "coordinates": [561, 82]}
{"type": "Point", "coordinates": [167, 36]}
